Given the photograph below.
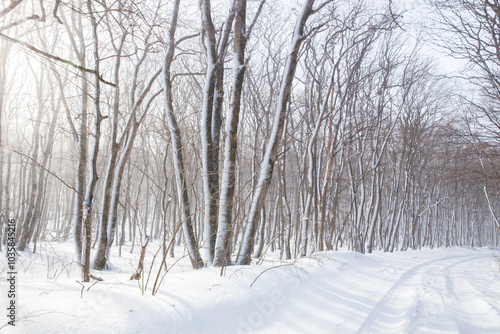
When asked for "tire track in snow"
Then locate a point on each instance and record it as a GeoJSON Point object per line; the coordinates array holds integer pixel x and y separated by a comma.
{"type": "Point", "coordinates": [402, 282]}
{"type": "Point", "coordinates": [482, 309]}
{"type": "Point", "coordinates": [493, 301]}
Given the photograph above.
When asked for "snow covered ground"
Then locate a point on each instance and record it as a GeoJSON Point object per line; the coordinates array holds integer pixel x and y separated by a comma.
{"type": "Point", "coordinates": [454, 290]}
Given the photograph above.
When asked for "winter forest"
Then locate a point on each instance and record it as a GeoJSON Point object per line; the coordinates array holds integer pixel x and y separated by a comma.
{"type": "Point", "coordinates": [221, 133]}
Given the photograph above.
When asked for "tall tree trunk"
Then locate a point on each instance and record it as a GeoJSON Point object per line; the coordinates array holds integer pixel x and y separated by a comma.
{"type": "Point", "coordinates": [4, 214]}
{"type": "Point", "coordinates": [92, 182]}
{"type": "Point", "coordinates": [310, 170]}
{"type": "Point", "coordinates": [116, 186]}
{"type": "Point", "coordinates": [126, 143]}
{"type": "Point", "coordinates": [100, 259]}
{"type": "Point", "coordinates": [34, 192]}
{"type": "Point", "coordinates": [210, 165]}
{"type": "Point", "coordinates": [177, 148]}
{"type": "Point", "coordinates": [40, 196]}
{"type": "Point", "coordinates": [81, 139]}
{"type": "Point", "coordinates": [266, 169]}
{"type": "Point", "coordinates": [225, 227]}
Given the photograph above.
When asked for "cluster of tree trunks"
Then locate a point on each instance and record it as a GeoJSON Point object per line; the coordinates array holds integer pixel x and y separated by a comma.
{"type": "Point", "coordinates": [327, 131]}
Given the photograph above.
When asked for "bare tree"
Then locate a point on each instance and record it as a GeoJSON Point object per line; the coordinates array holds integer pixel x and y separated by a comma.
{"type": "Point", "coordinates": [470, 31]}
{"type": "Point", "coordinates": [177, 147]}
{"type": "Point", "coordinates": [122, 143]}
{"type": "Point", "coordinates": [266, 170]}
{"type": "Point", "coordinates": [228, 184]}
{"type": "Point", "coordinates": [211, 120]}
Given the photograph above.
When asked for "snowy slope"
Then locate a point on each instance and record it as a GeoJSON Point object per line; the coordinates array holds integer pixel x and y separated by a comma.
{"type": "Point", "coordinates": [454, 290]}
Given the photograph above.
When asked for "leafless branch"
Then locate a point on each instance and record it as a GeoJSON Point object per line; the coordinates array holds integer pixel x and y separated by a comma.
{"type": "Point", "coordinates": [45, 169]}
{"type": "Point", "coordinates": [56, 58]}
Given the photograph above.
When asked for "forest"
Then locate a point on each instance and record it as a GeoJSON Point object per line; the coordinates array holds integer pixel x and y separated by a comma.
{"type": "Point", "coordinates": [238, 128]}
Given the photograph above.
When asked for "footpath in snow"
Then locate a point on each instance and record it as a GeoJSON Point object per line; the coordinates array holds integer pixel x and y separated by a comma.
{"type": "Point", "coordinates": [453, 290]}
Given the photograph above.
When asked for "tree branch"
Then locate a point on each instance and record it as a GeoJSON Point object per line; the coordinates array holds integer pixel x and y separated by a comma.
{"type": "Point", "coordinates": [45, 169]}
{"type": "Point", "coordinates": [13, 4]}
{"type": "Point", "coordinates": [18, 22]}
{"type": "Point", "coordinates": [254, 21]}
{"type": "Point", "coordinates": [56, 58]}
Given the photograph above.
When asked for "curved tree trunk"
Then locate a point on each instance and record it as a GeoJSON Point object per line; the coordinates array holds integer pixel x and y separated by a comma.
{"type": "Point", "coordinates": [266, 169]}
{"type": "Point", "coordinates": [100, 259]}
{"type": "Point", "coordinates": [177, 148]}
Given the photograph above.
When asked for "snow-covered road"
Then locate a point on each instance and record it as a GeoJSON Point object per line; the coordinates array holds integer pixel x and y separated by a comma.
{"type": "Point", "coordinates": [454, 290]}
{"type": "Point", "coordinates": [440, 291]}
{"type": "Point", "coordinates": [440, 295]}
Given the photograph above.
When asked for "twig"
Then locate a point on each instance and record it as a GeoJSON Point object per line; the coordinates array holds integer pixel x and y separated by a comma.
{"type": "Point", "coordinates": [83, 287]}
{"type": "Point", "coordinates": [282, 265]}
{"type": "Point", "coordinates": [97, 281]}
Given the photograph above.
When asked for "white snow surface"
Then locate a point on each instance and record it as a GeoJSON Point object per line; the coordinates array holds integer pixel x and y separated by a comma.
{"type": "Point", "coordinates": [446, 290]}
